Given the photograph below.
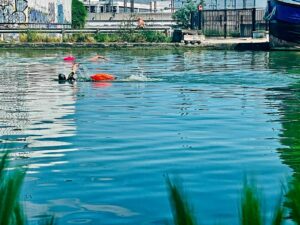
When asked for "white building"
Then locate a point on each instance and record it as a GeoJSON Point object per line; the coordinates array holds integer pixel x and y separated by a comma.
{"type": "Point", "coordinates": [119, 6]}
{"type": "Point", "coordinates": [35, 11]}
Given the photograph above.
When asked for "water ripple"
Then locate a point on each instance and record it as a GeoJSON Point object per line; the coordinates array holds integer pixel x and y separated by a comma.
{"type": "Point", "coordinates": [101, 151]}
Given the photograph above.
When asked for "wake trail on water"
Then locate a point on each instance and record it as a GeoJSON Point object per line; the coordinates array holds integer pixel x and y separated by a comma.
{"type": "Point", "coordinates": [84, 75]}
{"type": "Point", "coordinates": [140, 78]}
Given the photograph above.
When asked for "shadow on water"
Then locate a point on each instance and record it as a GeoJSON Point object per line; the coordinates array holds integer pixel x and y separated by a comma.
{"type": "Point", "coordinates": [289, 109]}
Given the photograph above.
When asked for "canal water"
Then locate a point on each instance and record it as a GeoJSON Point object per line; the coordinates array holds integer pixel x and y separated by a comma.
{"type": "Point", "coordinates": [99, 153]}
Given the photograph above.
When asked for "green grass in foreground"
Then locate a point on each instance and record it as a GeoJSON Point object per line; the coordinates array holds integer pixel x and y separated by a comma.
{"type": "Point", "coordinates": [181, 209]}
{"type": "Point", "coordinates": [251, 210]}
{"type": "Point", "coordinates": [11, 180]}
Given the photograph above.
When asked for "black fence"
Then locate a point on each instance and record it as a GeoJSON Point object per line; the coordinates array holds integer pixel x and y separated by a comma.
{"type": "Point", "coordinates": [231, 22]}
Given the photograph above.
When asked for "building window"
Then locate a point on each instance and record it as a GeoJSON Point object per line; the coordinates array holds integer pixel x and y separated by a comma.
{"type": "Point", "coordinates": [93, 9]}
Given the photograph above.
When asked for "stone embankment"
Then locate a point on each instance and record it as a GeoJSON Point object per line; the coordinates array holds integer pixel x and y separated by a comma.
{"type": "Point", "coordinates": [211, 44]}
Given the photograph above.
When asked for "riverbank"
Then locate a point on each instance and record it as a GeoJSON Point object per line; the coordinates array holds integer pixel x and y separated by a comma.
{"type": "Point", "coordinates": [211, 44]}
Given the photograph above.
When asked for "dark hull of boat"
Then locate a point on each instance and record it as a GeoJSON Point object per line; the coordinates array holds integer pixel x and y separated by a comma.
{"type": "Point", "coordinates": [285, 24]}
{"type": "Point", "coordinates": [285, 31]}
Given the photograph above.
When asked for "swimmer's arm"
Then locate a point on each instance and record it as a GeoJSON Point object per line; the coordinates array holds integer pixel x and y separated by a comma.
{"type": "Point", "coordinates": [102, 57]}
{"type": "Point", "coordinates": [75, 68]}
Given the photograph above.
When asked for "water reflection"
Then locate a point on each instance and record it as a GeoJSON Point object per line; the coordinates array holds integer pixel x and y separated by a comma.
{"type": "Point", "coordinates": [287, 99]}
{"type": "Point", "coordinates": [201, 114]}
{"type": "Point", "coordinates": [35, 117]}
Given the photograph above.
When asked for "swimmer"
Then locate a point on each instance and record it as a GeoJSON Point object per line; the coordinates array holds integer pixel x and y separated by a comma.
{"type": "Point", "coordinates": [100, 77]}
{"type": "Point", "coordinates": [97, 57]}
{"type": "Point", "coordinates": [71, 76]}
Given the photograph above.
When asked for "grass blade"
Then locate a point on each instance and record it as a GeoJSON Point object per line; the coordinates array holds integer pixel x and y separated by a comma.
{"type": "Point", "coordinates": [293, 200]}
{"type": "Point", "coordinates": [182, 213]}
{"type": "Point", "coordinates": [278, 217]}
{"type": "Point", "coordinates": [250, 209]}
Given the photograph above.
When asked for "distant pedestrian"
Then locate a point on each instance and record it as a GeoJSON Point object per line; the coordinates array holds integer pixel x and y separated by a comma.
{"type": "Point", "coordinates": [141, 23]}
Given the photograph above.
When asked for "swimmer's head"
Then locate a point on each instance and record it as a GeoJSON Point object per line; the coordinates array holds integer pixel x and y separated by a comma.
{"type": "Point", "coordinates": [62, 77]}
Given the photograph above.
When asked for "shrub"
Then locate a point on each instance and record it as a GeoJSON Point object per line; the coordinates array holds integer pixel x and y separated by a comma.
{"type": "Point", "coordinates": [131, 36]}
{"type": "Point", "coordinates": [154, 36]}
{"type": "Point", "coordinates": [79, 14]}
{"type": "Point", "coordinates": [80, 38]}
{"type": "Point", "coordinates": [36, 37]}
{"type": "Point", "coordinates": [107, 37]}
{"type": "Point", "coordinates": [183, 15]}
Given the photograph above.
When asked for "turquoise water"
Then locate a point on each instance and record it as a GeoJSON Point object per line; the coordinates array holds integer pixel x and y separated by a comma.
{"type": "Point", "coordinates": [98, 153]}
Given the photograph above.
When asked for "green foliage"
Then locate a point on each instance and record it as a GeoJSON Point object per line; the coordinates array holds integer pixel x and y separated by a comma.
{"type": "Point", "coordinates": [79, 14]}
{"type": "Point", "coordinates": [183, 15]}
{"type": "Point", "coordinates": [86, 38]}
{"type": "Point", "coordinates": [182, 212]}
{"type": "Point", "coordinates": [107, 37]}
{"type": "Point", "coordinates": [251, 212]}
{"type": "Point", "coordinates": [36, 37]}
{"type": "Point", "coordinates": [31, 36]}
{"type": "Point", "coordinates": [11, 210]}
{"type": "Point", "coordinates": [213, 33]}
{"type": "Point", "coordinates": [154, 36]}
{"type": "Point", "coordinates": [131, 36]}
{"type": "Point", "coordinates": [250, 209]}
{"type": "Point", "coordinates": [293, 201]}
{"type": "Point", "coordinates": [278, 217]}
{"type": "Point", "coordinates": [235, 34]}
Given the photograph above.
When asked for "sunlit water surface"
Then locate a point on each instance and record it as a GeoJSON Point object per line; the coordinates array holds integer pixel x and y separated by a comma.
{"type": "Point", "coordinates": [99, 153]}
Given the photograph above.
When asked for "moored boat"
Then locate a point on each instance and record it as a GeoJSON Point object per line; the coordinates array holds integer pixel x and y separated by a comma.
{"type": "Point", "coordinates": [284, 17]}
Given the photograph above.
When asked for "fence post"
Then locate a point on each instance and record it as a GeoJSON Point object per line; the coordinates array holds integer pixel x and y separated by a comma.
{"type": "Point", "coordinates": [242, 30]}
{"type": "Point", "coordinates": [253, 19]}
{"type": "Point", "coordinates": [132, 6]}
{"type": "Point", "coordinates": [200, 10]}
{"type": "Point", "coordinates": [200, 20]}
{"type": "Point", "coordinates": [192, 21]}
{"type": "Point", "coordinates": [225, 23]}
{"type": "Point", "coordinates": [125, 5]}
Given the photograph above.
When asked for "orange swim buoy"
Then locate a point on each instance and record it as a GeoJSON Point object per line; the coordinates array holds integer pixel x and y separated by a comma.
{"type": "Point", "coordinates": [102, 77]}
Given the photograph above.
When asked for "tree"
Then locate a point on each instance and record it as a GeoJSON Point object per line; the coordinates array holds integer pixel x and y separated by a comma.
{"type": "Point", "coordinates": [183, 15]}
{"type": "Point", "coordinates": [79, 14]}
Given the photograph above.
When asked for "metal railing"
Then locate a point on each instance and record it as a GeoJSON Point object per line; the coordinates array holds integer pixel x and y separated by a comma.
{"type": "Point", "coordinates": [35, 25]}
{"type": "Point", "coordinates": [74, 31]}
